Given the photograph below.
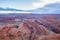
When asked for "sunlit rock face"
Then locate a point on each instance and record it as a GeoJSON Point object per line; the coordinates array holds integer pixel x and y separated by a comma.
{"type": "Point", "coordinates": [46, 27]}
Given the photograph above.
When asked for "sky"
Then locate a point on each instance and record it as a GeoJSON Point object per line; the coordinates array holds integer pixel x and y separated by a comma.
{"type": "Point", "coordinates": [25, 4]}
{"type": "Point", "coordinates": [18, 4]}
{"type": "Point", "coordinates": [32, 5]}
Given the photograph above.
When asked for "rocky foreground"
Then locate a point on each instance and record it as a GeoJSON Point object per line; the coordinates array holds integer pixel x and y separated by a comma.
{"type": "Point", "coordinates": [45, 28]}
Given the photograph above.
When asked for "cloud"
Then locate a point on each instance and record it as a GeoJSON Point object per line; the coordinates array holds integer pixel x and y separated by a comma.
{"type": "Point", "coordinates": [42, 3]}
{"type": "Point", "coordinates": [51, 9]}
{"type": "Point", "coordinates": [7, 12]}
{"type": "Point", "coordinates": [12, 10]}
{"type": "Point", "coordinates": [9, 9]}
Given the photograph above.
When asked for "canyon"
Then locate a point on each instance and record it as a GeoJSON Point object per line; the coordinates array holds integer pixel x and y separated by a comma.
{"type": "Point", "coordinates": [30, 27]}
